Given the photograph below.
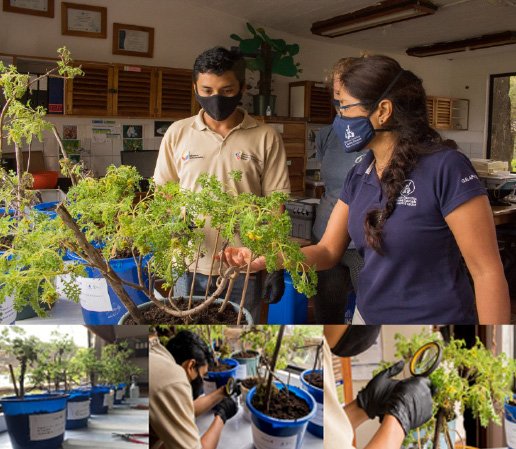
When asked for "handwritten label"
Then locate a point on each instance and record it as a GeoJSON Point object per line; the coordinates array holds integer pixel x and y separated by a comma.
{"type": "Point", "coordinates": [241, 372]}
{"type": "Point", "coordinates": [94, 294]}
{"type": "Point", "coordinates": [209, 386]}
{"type": "Point", "coordinates": [7, 312]}
{"type": "Point", "coordinates": [47, 426]}
{"type": "Point", "coordinates": [78, 410]}
{"type": "Point", "coordinates": [263, 441]}
{"type": "Point", "coordinates": [120, 394]}
{"type": "Point", "coordinates": [108, 399]}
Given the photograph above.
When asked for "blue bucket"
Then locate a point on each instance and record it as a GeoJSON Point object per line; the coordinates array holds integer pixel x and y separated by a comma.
{"type": "Point", "coordinates": [78, 409]}
{"type": "Point", "coordinates": [109, 309]}
{"type": "Point", "coordinates": [283, 432]}
{"type": "Point", "coordinates": [316, 424]}
{"type": "Point", "coordinates": [120, 390]}
{"type": "Point", "coordinates": [214, 380]}
{"type": "Point", "coordinates": [47, 208]}
{"type": "Point", "coordinates": [291, 309]}
{"type": "Point", "coordinates": [510, 424]}
{"type": "Point", "coordinates": [37, 421]}
{"type": "Point", "coordinates": [100, 400]}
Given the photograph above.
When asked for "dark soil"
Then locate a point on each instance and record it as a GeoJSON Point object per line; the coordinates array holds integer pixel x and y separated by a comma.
{"type": "Point", "coordinates": [512, 402]}
{"type": "Point", "coordinates": [209, 315]}
{"type": "Point", "coordinates": [219, 368]}
{"type": "Point", "coordinates": [250, 382]}
{"type": "Point", "coordinates": [284, 406]}
{"type": "Point", "coordinates": [245, 355]}
{"type": "Point", "coordinates": [6, 240]}
{"type": "Point", "coordinates": [315, 379]}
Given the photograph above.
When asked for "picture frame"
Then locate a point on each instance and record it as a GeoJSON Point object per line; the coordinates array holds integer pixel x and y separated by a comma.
{"type": "Point", "coordinates": [42, 8]}
{"type": "Point", "coordinates": [133, 40]}
{"type": "Point", "coordinates": [160, 127]}
{"type": "Point", "coordinates": [83, 20]}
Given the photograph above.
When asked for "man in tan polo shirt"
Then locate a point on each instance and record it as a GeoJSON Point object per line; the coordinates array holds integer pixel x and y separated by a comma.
{"type": "Point", "coordinates": [176, 374]}
{"type": "Point", "coordinates": [220, 139]}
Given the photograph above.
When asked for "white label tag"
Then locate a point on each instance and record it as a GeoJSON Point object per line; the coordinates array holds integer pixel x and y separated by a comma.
{"type": "Point", "coordinates": [119, 395]}
{"type": "Point", "coordinates": [241, 372]}
{"type": "Point", "coordinates": [78, 410]}
{"type": "Point", "coordinates": [318, 418]}
{"type": "Point", "coordinates": [47, 426]}
{"type": "Point", "coordinates": [94, 294]}
{"type": "Point", "coordinates": [510, 432]}
{"type": "Point", "coordinates": [263, 441]}
{"type": "Point", "coordinates": [209, 386]}
{"type": "Point", "coordinates": [7, 312]}
{"type": "Point", "coordinates": [108, 399]}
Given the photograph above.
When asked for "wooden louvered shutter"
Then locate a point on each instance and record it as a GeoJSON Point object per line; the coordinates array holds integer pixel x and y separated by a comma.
{"type": "Point", "coordinates": [135, 91]}
{"type": "Point", "coordinates": [321, 109]}
{"type": "Point", "coordinates": [430, 107]}
{"type": "Point", "coordinates": [175, 96]}
{"type": "Point", "coordinates": [90, 94]}
{"type": "Point", "coordinates": [442, 113]}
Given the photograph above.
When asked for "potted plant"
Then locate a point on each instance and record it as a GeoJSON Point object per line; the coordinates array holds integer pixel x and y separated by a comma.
{"type": "Point", "coordinates": [278, 410]}
{"type": "Point", "coordinates": [312, 380]}
{"type": "Point", "coordinates": [472, 378]}
{"type": "Point", "coordinates": [36, 420]}
{"type": "Point", "coordinates": [268, 56]}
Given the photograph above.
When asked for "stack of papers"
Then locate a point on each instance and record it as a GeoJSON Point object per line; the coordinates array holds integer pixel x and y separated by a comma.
{"type": "Point", "coordinates": [490, 166]}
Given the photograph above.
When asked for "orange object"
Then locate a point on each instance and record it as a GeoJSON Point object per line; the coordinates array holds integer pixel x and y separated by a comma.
{"type": "Point", "coordinates": [45, 179]}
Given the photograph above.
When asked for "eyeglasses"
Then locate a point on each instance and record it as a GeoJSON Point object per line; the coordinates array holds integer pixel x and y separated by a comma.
{"type": "Point", "coordinates": [344, 108]}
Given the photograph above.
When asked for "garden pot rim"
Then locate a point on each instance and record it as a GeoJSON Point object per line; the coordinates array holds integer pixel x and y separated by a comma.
{"type": "Point", "coordinates": [224, 360]}
{"type": "Point", "coordinates": [293, 389]}
{"type": "Point", "coordinates": [308, 371]}
{"type": "Point", "coordinates": [251, 351]}
{"type": "Point", "coordinates": [35, 397]}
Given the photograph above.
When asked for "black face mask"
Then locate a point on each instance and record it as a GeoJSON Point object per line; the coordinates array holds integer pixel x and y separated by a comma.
{"type": "Point", "coordinates": [197, 386]}
{"type": "Point", "coordinates": [219, 107]}
{"type": "Point", "coordinates": [355, 340]}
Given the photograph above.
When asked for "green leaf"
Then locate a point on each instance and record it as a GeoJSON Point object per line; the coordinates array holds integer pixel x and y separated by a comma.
{"type": "Point", "coordinates": [255, 65]}
{"type": "Point", "coordinates": [250, 46]}
{"type": "Point", "coordinates": [278, 45]}
{"type": "Point", "coordinates": [251, 29]}
{"type": "Point", "coordinates": [285, 66]}
{"type": "Point", "coordinates": [236, 37]}
{"type": "Point", "coordinates": [292, 49]}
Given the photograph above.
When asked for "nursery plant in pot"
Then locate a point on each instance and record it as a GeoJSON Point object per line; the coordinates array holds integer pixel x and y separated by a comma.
{"type": "Point", "coordinates": [279, 412]}
{"type": "Point", "coordinates": [35, 421]}
{"type": "Point", "coordinates": [467, 378]}
{"type": "Point", "coordinates": [312, 381]}
{"type": "Point", "coordinates": [268, 56]}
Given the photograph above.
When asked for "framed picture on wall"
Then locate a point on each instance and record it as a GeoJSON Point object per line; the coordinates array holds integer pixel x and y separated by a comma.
{"type": "Point", "coordinates": [44, 8]}
{"type": "Point", "coordinates": [83, 20]}
{"type": "Point", "coordinates": [133, 40]}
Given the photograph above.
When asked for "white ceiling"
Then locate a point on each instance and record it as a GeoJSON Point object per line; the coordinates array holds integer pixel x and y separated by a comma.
{"type": "Point", "coordinates": [454, 20]}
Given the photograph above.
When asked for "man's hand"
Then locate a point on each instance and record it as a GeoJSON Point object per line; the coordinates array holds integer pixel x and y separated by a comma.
{"type": "Point", "coordinates": [373, 397]}
{"type": "Point", "coordinates": [226, 409]}
{"type": "Point", "coordinates": [410, 402]}
{"type": "Point", "coordinates": [274, 286]}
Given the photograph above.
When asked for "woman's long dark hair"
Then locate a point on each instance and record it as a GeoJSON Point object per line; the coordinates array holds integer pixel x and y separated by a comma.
{"type": "Point", "coordinates": [366, 78]}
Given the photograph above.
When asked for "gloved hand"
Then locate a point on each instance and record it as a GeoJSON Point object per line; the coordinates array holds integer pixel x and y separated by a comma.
{"type": "Point", "coordinates": [226, 409]}
{"type": "Point", "coordinates": [410, 402]}
{"type": "Point", "coordinates": [373, 397]}
{"type": "Point", "coordinates": [274, 287]}
{"type": "Point", "coordinates": [232, 388]}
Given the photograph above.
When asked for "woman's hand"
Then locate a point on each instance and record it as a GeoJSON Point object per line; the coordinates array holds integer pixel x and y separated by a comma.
{"type": "Point", "coordinates": [240, 257]}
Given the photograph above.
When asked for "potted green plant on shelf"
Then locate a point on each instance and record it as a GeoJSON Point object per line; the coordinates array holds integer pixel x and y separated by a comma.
{"type": "Point", "coordinates": [467, 378]}
{"type": "Point", "coordinates": [27, 415]}
{"type": "Point", "coordinates": [268, 56]}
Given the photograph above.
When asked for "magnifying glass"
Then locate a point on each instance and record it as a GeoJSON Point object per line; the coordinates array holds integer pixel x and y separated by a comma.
{"type": "Point", "coordinates": [231, 386]}
{"type": "Point", "coordinates": [426, 359]}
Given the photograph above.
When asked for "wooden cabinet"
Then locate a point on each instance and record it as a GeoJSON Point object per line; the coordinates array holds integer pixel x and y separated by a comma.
{"type": "Point", "coordinates": [448, 113]}
{"type": "Point", "coordinates": [130, 91]}
{"type": "Point", "coordinates": [311, 100]}
{"type": "Point", "coordinates": [293, 133]}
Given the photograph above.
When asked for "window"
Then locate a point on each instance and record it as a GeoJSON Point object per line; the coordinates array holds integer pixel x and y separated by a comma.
{"type": "Point", "coordinates": [501, 139]}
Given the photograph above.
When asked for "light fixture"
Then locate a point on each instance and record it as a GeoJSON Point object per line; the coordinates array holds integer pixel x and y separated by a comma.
{"type": "Point", "coordinates": [379, 14]}
{"type": "Point", "coordinates": [473, 43]}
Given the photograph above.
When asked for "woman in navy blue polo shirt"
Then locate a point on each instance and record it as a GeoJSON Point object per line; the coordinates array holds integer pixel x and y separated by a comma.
{"type": "Point", "coordinates": [412, 207]}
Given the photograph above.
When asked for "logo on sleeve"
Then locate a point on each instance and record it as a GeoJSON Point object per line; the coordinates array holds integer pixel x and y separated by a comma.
{"type": "Point", "coordinates": [468, 178]}
{"type": "Point", "coordinates": [406, 198]}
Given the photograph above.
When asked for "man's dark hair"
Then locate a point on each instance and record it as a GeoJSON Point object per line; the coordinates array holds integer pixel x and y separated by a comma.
{"type": "Point", "coordinates": [218, 60]}
{"type": "Point", "coordinates": [186, 345]}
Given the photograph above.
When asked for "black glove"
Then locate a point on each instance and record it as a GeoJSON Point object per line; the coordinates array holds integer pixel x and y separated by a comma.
{"type": "Point", "coordinates": [373, 397]}
{"type": "Point", "coordinates": [226, 409]}
{"type": "Point", "coordinates": [410, 402]}
{"type": "Point", "coordinates": [274, 287]}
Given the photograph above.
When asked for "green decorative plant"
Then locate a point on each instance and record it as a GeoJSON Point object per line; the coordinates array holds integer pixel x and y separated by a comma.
{"type": "Point", "coordinates": [115, 366]}
{"type": "Point", "coordinates": [268, 56]}
{"type": "Point", "coordinates": [470, 378]}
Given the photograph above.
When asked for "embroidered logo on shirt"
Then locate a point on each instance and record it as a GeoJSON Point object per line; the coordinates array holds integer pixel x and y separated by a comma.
{"type": "Point", "coordinates": [359, 159]}
{"type": "Point", "coordinates": [186, 156]}
{"type": "Point", "coordinates": [241, 156]}
{"type": "Point", "coordinates": [408, 189]}
{"type": "Point", "coordinates": [468, 178]}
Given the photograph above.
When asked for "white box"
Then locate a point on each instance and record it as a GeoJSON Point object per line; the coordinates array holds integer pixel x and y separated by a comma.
{"type": "Point", "coordinates": [48, 195]}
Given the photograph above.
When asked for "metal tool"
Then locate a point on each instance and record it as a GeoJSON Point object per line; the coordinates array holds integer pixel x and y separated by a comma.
{"type": "Point", "coordinates": [133, 437]}
{"type": "Point", "coordinates": [426, 359]}
{"type": "Point", "coordinates": [233, 387]}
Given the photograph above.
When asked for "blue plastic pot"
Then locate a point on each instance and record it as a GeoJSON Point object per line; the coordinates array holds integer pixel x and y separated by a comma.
{"type": "Point", "coordinates": [99, 400]}
{"type": "Point", "coordinates": [126, 270]}
{"type": "Point", "coordinates": [510, 424]}
{"type": "Point", "coordinates": [316, 424]}
{"type": "Point", "coordinates": [37, 421]}
{"type": "Point", "coordinates": [47, 208]}
{"type": "Point", "coordinates": [247, 366]}
{"type": "Point", "coordinates": [214, 380]}
{"type": "Point", "coordinates": [283, 432]}
{"type": "Point", "coordinates": [291, 309]}
{"type": "Point", "coordinates": [120, 393]}
{"type": "Point", "coordinates": [78, 409]}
